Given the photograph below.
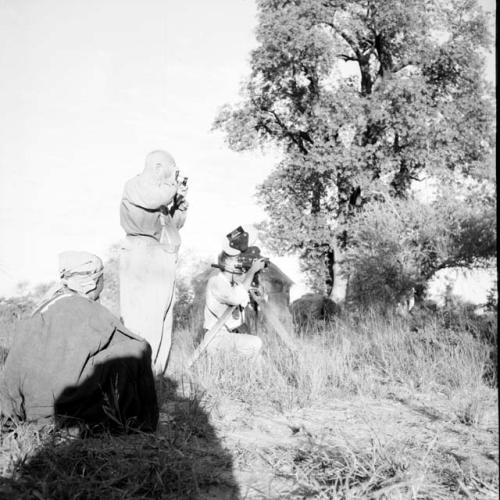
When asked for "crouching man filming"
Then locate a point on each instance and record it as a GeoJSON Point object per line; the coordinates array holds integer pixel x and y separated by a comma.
{"type": "Point", "coordinates": [227, 295]}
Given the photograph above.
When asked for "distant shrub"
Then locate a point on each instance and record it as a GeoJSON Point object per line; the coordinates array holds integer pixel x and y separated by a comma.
{"type": "Point", "coordinates": [396, 245]}
{"type": "Point", "coordinates": [11, 311]}
{"type": "Point", "coordinates": [110, 295]}
{"type": "Point", "coordinates": [15, 308]}
{"type": "Point", "coordinates": [313, 310]}
{"type": "Point", "coordinates": [192, 274]}
{"type": "Point", "coordinates": [184, 298]}
{"type": "Point", "coordinates": [492, 299]}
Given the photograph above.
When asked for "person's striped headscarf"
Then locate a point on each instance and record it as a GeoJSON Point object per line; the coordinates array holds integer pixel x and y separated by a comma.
{"type": "Point", "coordinates": [79, 271]}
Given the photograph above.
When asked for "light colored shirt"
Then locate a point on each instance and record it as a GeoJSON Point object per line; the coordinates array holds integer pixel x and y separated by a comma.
{"type": "Point", "coordinates": [142, 204]}
{"type": "Point", "coordinates": [220, 294]}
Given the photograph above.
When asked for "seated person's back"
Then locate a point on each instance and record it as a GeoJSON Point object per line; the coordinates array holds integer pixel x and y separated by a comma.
{"type": "Point", "coordinates": [74, 361]}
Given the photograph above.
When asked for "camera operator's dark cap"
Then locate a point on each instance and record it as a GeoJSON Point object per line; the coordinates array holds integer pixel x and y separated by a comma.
{"type": "Point", "coordinates": [247, 233]}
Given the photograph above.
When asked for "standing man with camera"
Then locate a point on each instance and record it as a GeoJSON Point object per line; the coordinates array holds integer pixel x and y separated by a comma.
{"type": "Point", "coordinates": [153, 209]}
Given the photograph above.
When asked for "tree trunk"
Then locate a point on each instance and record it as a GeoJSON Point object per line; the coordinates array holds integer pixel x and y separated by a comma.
{"type": "Point", "coordinates": [337, 290]}
{"type": "Point", "coordinates": [330, 263]}
{"type": "Point", "coordinates": [366, 78]}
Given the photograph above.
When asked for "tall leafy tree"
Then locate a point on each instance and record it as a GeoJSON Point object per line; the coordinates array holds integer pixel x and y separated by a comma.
{"type": "Point", "coordinates": [359, 94]}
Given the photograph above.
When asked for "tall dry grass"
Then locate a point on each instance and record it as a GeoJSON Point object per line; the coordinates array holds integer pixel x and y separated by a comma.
{"type": "Point", "coordinates": [367, 354]}
{"type": "Point", "coordinates": [371, 356]}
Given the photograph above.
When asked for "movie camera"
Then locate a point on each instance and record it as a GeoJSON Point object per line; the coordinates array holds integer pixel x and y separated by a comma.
{"type": "Point", "coordinates": [239, 240]}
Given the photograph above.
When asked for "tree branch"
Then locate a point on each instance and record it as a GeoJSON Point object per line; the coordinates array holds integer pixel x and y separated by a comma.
{"type": "Point", "coordinates": [297, 141]}
{"type": "Point", "coordinates": [347, 38]}
{"type": "Point", "coordinates": [346, 58]}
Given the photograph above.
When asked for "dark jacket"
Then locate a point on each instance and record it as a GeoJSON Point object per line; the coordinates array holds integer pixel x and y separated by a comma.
{"type": "Point", "coordinates": [74, 361]}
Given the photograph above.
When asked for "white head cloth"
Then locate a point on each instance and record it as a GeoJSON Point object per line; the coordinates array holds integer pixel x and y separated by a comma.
{"type": "Point", "coordinates": [80, 271]}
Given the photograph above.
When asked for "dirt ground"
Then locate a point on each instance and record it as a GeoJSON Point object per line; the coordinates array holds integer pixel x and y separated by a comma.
{"type": "Point", "coordinates": [405, 446]}
{"type": "Point", "coordinates": [435, 455]}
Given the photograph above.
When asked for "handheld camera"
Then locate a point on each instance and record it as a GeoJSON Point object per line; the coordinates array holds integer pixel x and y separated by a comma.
{"type": "Point", "coordinates": [245, 259]}
{"type": "Point", "coordinates": [180, 179]}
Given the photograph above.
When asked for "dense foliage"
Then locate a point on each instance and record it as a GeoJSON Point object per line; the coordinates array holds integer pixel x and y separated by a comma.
{"type": "Point", "coordinates": [399, 244]}
{"type": "Point", "coordinates": [359, 94]}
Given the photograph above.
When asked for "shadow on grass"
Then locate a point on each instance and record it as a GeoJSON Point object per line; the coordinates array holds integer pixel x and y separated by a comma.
{"type": "Point", "coordinates": [183, 459]}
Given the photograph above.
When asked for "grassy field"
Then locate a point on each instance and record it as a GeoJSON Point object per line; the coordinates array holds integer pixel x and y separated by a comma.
{"type": "Point", "coordinates": [367, 407]}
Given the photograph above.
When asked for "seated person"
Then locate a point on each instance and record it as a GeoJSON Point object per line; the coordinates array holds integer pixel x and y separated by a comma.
{"type": "Point", "coordinates": [230, 287]}
{"type": "Point", "coordinates": [73, 361]}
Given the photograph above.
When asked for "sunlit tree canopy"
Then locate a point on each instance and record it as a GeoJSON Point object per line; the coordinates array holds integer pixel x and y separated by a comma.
{"type": "Point", "coordinates": [361, 97]}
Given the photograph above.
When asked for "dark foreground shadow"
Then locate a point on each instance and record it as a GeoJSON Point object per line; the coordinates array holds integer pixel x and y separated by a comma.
{"type": "Point", "coordinates": [183, 459]}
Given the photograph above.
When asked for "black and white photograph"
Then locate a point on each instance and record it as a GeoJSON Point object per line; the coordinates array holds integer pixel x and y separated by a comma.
{"type": "Point", "coordinates": [249, 250]}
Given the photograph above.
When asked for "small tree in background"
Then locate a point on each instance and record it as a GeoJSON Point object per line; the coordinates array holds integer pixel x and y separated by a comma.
{"type": "Point", "coordinates": [400, 244]}
{"type": "Point", "coordinates": [414, 101]}
{"type": "Point", "coordinates": [15, 308]}
{"type": "Point", "coordinates": [191, 267]}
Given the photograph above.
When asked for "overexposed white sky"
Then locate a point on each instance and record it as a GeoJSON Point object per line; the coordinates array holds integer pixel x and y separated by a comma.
{"type": "Point", "coordinates": [87, 89]}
